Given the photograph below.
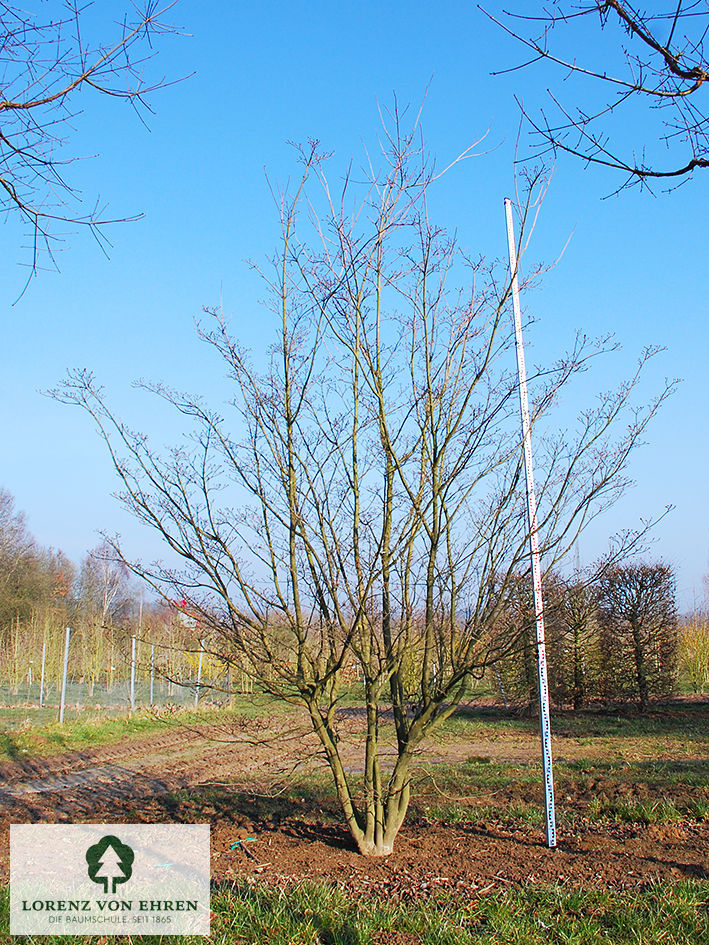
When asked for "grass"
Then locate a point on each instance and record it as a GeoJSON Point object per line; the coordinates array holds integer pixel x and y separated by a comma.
{"type": "Point", "coordinates": [661, 811]}
{"type": "Point", "coordinates": [479, 792]}
{"type": "Point", "coordinates": [477, 788]}
{"type": "Point", "coordinates": [90, 730]}
{"type": "Point", "coordinates": [26, 730]}
{"type": "Point", "coordinates": [688, 721]}
{"type": "Point", "coordinates": [623, 768]}
{"type": "Point", "coordinates": [311, 914]}
{"type": "Point", "coordinates": [598, 785]}
{"type": "Point", "coordinates": [618, 791]}
{"type": "Point", "coordinates": [529, 814]}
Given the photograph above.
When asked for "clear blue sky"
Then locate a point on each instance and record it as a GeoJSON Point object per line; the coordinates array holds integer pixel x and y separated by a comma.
{"type": "Point", "coordinates": [271, 72]}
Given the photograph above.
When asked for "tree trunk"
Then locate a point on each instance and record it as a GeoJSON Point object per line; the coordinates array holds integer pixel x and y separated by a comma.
{"type": "Point", "coordinates": [378, 839]}
{"type": "Point", "coordinates": [640, 671]}
{"type": "Point", "coordinates": [579, 687]}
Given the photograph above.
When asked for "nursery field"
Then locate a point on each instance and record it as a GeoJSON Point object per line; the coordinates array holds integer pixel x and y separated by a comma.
{"type": "Point", "coordinates": [470, 864]}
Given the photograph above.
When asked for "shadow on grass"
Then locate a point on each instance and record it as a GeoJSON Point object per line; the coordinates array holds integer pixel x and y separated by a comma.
{"type": "Point", "coordinates": [308, 815]}
{"type": "Point", "coordinates": [332, 835]}
{"type": "Point", "coordinates": [691, 772]}
{"type": "Point", "coordinates": [9, 746]}
{"type": "Point", "coordinates": [668, 718]}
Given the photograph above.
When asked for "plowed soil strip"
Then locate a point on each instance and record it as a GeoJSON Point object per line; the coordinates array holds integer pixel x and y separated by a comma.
{"type": "Point", "coordinates": [184, 776]}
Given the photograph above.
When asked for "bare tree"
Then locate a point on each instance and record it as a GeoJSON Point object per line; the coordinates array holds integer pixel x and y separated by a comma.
{"type": "Point", "coordinates": [638, 617]}
{"type": "Point", "coordinates": [578, 620]}
{"type": "Point", "coordinates": [363, 504]}
{"type": "Point", "coordinates": [46, 62]}
{"type": "Point", "coordinates": [571, 635]}
{"type": "Point", "coordinates": [35, 592]}
{"type": "Point", "coordinates": [32, 578]}
{"type": "Point", "coordinates": [103, 586]}
{"type": "Point", "coordinates": [20, 569]}
{"type": "Point", "coordinates": [16, 542]}
{"type": "Point", "coordinates": [663, 65]}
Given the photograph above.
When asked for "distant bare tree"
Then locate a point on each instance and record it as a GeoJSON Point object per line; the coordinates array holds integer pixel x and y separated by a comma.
{"type": "Point", "coordinates": [103, 586]}
{"type": "Point", "coordinates": [46, 61]}
{"type": "Point", "coordinates": [664, 65]}
{"type": "Point", "coordinates": [638, 618]}
{"type": "Point", "coordinates": [571, 635]}
{"type": "Point", "coordinates": [16, 542]}
{"type": "Point", "coordinates": [364, 505]}
{"type": "Point", "coordinates": [20, 569]}
{"type": "Point", "coordinates": [578, 619]}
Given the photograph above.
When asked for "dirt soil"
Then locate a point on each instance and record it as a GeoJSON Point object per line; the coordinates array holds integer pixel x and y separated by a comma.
{"type": "Point", "coordinates": [259, 834]}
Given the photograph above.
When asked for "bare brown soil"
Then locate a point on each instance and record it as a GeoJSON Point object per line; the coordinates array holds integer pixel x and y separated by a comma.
{"type": "Point", "coordinates": [266, 834]}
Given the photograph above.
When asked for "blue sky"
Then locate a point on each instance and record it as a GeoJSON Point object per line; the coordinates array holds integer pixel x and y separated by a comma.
{"type": "Point", "coordinates": [269, 73]}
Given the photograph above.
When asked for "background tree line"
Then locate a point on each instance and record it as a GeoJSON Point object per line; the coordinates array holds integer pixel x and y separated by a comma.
{"type": "Point", "coordinates": [611, 639]}
{"type": "Point", "coordinates": [42, 591]}
{"type": "Point", "coordinates": [614, 639]}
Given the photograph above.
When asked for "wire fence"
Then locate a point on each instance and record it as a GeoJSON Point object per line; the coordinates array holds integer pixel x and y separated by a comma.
{"type": "Point", "coordinates": [143, 675]}
{"type": "Point", "coordinates": [83, 694]}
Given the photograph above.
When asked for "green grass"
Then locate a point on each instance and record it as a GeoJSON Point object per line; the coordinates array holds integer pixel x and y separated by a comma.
{"type": "Point", "coordinates": [15, 716]}
{"type": "Point", "coordinates": [605, 788]}
{"type": "Point", "coordinates": [686, 721]}
{"type": "Point", "coordinates": [90, 730]}
{"type": "Point", "coordinates": [529, 814]}
{"type": "Point", "coordinates": [692, 773]}
{"type": "Point", "coordinates": [618, 791]}
{"type": "Point", "coordinates": [308, 914]}
{"type": "Point", "coordinates": [661, 811]}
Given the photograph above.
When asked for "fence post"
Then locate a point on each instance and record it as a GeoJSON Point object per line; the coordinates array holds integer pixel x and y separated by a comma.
{"type": "Point", "coordinates": [199, 672]}
{"type": "Point", "coordinates": [41, 678]}
{"type": "Point", "coordinates": [132, 674]}
{"type": "Point", "coordinates": [229, 684]}
{"type": "Point", "coordinates": [500, 686]}
{"type": "Point", "coordinates": [62, 699]}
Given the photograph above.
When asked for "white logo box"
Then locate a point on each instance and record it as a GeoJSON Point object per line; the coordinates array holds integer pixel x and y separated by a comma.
{"type": "Point", "coordinates": [109, 879]}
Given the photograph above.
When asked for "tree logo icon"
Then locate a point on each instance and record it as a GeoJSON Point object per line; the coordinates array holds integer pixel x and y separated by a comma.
{"type": "Point", "coordinates": [110, 862]}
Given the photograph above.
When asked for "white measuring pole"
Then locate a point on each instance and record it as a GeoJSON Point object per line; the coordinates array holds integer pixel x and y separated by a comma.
{"type": "Point", "coordinates": [152, 672]}
{"type": "Point", "coordinates": [199, 672]}
{"type": "Point", "coordinates": [41, 678]}
{"type": "Point", "coordinates": [132, 674]}
{"type": "Point", "coordinates": [545, 728]}
{"type": "Point", "coordinates": [62, 699]}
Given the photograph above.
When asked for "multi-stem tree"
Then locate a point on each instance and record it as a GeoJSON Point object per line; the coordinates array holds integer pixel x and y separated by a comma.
{"type": "Point", "coordinates": [363, 502]}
